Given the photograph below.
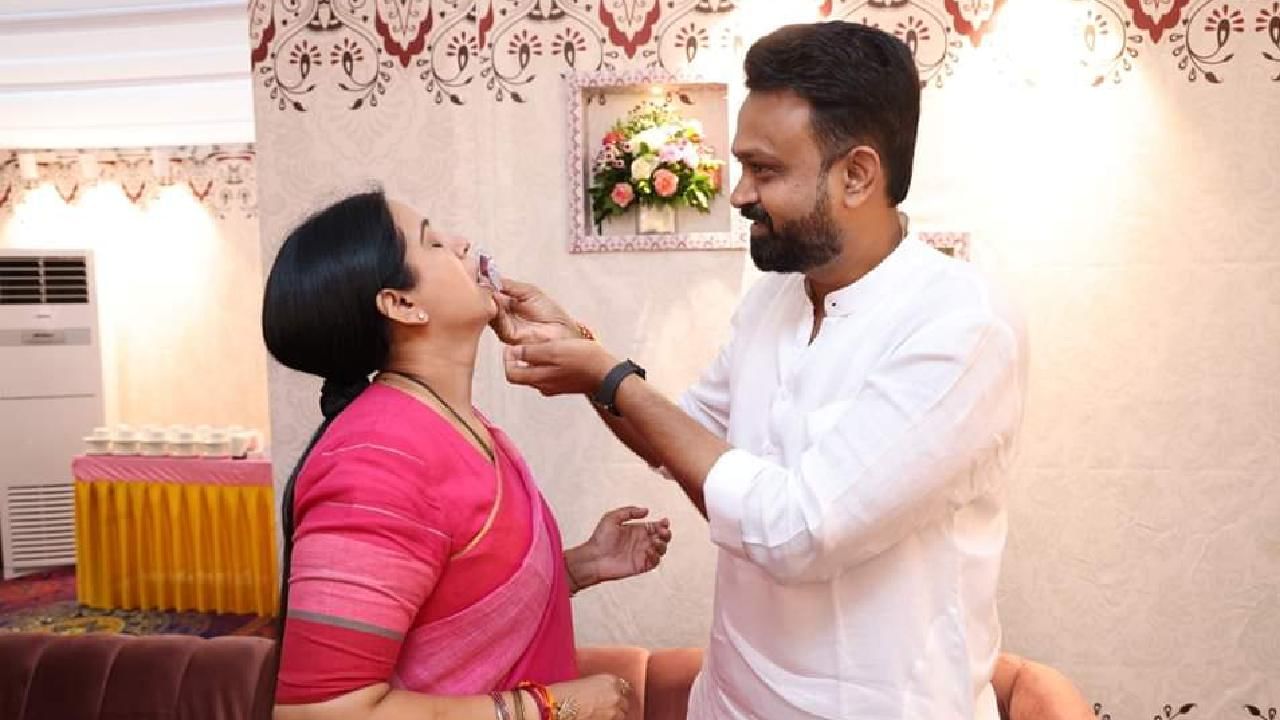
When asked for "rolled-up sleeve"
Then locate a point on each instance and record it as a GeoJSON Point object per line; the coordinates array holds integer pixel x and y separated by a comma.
{"type": "Point", "coordinates": [909, 448]}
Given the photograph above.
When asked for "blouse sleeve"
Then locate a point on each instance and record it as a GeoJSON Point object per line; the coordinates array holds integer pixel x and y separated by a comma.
{"type": "Point", "coordinates": [368, 549]}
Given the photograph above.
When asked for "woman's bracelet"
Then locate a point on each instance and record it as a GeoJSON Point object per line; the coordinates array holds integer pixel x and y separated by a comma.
{"type": "Point", "coordinates": [500, 705]}
{"type": "Point", "coordinates": [542, 698]}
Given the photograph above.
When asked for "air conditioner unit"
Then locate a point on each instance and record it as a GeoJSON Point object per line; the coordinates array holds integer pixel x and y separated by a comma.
{"type": "Point", "coordinates": [50, 396]}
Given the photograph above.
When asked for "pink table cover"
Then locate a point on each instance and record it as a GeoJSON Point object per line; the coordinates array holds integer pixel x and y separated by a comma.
{"type": "Point", "coordinates": [176, 470]}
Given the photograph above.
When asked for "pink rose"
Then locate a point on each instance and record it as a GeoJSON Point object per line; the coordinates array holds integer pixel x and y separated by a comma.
{"type": "Point", "coordinates": [665, 183]}
{"type": "Point", "coordinates": [622, 194]}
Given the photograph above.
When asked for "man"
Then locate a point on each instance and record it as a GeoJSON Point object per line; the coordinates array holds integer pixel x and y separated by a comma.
{"type": "Point", "coordinates": [850, 444]}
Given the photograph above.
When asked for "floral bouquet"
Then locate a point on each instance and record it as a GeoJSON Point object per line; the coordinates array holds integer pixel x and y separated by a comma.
{"type": "Point", "coordinates": [653, 157]}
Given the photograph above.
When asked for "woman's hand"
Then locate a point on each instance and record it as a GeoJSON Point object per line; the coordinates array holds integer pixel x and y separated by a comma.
{"type": "Point", "coordinates": [619, 548]}
{"type": "Point", "coordinates": [599, 697]}
{"type": "Point", "coordinates": [527, 315]}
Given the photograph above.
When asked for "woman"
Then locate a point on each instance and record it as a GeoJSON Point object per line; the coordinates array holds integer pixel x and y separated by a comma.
{"type": "Point", "coordinates": [425, 575]}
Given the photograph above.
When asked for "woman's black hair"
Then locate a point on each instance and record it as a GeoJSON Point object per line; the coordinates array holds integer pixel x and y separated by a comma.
{"type": "Point", "coordinates": [320, 316]}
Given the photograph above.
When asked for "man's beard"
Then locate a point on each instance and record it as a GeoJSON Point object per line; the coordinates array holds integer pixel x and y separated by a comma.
{"type": "Point", "coordinates": [796, 245]}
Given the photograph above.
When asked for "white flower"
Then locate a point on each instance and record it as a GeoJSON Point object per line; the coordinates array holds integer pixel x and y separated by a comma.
{"type": "Point", "coordinates": [643, 167]}
{"type": "Point", "coordinates": [653, 137]}
{"type": "Point", "coordinates": [689, 154]}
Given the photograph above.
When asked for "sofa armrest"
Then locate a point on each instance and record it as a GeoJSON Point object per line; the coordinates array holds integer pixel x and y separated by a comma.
{"type": "Point", "coordinates": [1027, 690]}
{"type": "Point", "coordinates": [670, 677]}
{"type": "Point", "coordinates": [628, 663]}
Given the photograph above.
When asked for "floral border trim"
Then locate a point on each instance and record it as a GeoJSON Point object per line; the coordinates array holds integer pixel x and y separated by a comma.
{"type": "Point", "coordinates": [223, 178]}
{"type": "Point", "coordinates": [464, 50]}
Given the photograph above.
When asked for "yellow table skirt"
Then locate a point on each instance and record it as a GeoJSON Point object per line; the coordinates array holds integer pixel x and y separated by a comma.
{"type": "Point", "coordinates": [146, 545]}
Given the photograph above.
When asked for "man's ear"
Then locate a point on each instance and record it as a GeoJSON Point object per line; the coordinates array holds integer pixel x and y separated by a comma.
{"type": "Point", "coordinates": [860, 171]}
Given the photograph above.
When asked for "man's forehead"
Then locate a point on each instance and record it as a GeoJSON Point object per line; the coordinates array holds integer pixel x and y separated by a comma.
{"type": "Point", "coordinates": [770, 121]}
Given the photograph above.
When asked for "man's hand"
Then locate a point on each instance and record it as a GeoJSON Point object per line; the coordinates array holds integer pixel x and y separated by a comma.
{"type": "Point", "coordinates": [559, 367]}
{"type": "Point", "coordinates": [526, 315]}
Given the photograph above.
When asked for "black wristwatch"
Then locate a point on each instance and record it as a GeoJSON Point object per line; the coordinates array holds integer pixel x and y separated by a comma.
{"type": "Point", "coordinates": [607, 394]}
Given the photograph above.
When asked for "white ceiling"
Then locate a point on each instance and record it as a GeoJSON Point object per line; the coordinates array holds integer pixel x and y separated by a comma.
{"type": "Point", "coordinates": [124, 73]}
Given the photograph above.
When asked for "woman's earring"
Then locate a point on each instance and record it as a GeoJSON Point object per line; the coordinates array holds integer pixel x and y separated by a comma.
{"type": "Point", "coordinates": [422, 316]}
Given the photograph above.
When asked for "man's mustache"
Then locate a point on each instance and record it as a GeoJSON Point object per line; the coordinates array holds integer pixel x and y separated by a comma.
{"type": "Point", "coordinates": [755, 212]}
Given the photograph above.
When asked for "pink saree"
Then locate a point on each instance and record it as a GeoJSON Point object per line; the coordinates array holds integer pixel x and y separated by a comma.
{"type": "Point", "coordinates": [516, 632]}
{"type": "Point", "coordinates": [388, 583]}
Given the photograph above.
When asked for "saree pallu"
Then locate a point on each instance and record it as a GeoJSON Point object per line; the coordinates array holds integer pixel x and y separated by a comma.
{"type": "Point", "coordinates": [523, 630]}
